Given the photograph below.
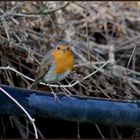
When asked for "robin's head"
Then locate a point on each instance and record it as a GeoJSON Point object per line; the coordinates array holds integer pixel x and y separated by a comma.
{"type": "Point", "coordinates": [62, 49]}
{"type": "Point", "coordinates": [63, 53]}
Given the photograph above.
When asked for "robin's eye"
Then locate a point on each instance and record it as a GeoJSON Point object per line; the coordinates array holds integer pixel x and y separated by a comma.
{"type": "Point", "coordinates": [58, 48]}
{"type": "Point", "coordinates": [68, 48]}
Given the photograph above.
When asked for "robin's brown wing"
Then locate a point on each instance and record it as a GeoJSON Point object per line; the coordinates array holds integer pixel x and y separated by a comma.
{"type": "Point", "coordinates": [41, 73]}
{"type": "Point", "coordinates": [44, 67]}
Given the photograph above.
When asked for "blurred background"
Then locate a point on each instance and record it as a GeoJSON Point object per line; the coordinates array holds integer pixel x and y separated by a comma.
{"type": "Point", "coordinates": [100, 33]}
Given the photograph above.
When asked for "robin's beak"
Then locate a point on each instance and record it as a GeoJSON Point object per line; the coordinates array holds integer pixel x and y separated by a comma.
{"type": "Point", "coordinates": [64, 50]}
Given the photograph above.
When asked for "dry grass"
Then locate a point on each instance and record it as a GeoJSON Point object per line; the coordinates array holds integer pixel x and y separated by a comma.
{"type": "Point", "coordinates": [99, 31]}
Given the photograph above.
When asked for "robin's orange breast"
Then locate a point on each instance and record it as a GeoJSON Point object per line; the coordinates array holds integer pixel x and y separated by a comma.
{"type": "Point", "coordinates": [64, 61]}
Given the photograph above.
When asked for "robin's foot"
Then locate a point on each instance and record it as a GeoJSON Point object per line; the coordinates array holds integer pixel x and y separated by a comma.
{"type": "Point", "coordinates": [68, 95]}
{"type": "Point", "coordinates": [55, 97]}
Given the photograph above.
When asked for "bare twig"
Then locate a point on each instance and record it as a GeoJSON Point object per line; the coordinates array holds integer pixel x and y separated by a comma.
{"type": "Point", "coordinates": [102, 136]}
{"type": "Point", "coordinates": [45, 12]}
{"type": "Point", "coordinates": [131, 57]}
{"type": "Point", "coordinates": [64, 86]}
{"type": "Point", "coordinates": [20, 106]}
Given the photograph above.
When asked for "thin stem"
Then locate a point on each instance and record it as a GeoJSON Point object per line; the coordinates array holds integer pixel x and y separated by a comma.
{"type": "Point", "coordinates": [21, 107]}
{"type": "Point", "coordinates": [64, 86]}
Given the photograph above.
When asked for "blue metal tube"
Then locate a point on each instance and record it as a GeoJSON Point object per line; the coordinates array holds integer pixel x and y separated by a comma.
{"type": "Point", "coordinates": [92, 110]}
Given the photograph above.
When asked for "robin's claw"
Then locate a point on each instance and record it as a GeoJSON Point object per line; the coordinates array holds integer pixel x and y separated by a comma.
{"type": "Point", "coordinates": [55, 97]}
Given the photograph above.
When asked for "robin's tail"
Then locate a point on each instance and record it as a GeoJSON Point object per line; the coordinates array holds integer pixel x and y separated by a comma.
{"type": "Point", "coordinates": [34, 84]}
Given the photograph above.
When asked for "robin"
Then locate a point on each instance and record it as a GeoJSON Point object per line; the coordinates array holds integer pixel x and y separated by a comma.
{"type": "Point", "coordinates": [56, 65]}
